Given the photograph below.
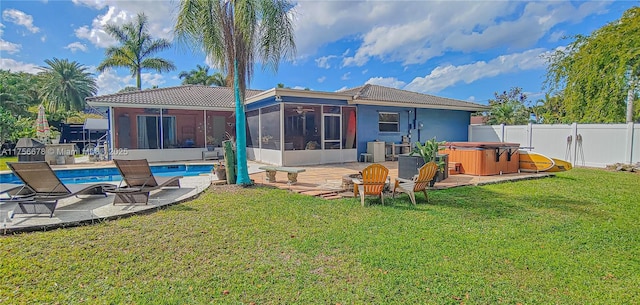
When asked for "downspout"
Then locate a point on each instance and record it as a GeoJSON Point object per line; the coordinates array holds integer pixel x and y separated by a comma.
{"type": "Point", "coordinates": [161, 131]}
{"type": "Point", "coordinates": [415, 121]}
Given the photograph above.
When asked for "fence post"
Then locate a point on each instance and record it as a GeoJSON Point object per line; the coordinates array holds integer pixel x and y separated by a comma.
{"type": "Point", "coordinates": [629, 142]}
{"type": "Point", "coordinates": [574, 135]}
{"type": "Point", "coordinates": [530, 134]}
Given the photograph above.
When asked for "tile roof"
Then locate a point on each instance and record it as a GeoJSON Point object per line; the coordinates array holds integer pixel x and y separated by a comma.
{"type": "Point", "coordinates": [196, 96]}
{"type": "Point", "coordinates": [406, 98]}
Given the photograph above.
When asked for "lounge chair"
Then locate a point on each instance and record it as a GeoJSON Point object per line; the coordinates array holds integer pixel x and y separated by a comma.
{"type": "Point", "coordinates": [139, 182]}
{"type": "Point", "coordinates": [374, 179]}
{"type": "Point", "coordinates": [418, 183]}
{"type": "Point", "coordinates": [46, 187]}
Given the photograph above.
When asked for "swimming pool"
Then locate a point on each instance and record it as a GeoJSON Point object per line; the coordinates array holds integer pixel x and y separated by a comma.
{"type": "Point", "coordinates": [106, 174]}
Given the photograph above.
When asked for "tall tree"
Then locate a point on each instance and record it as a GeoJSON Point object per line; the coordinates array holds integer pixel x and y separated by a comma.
{"type": "Point", "coordinates": [65, 84]}
{"type": "Point", "coordinates": [550, 110]}
{"type": "Point", "coordinates": [598, 75]}
{"type": "Point", "coordinates": [509, 108]}
{"type": "Point", "coordinates": [234, 33]}
{"type": "Point", "coordinates": [135, 49]}
{"type": "Point", "coordinates": [200, 76]}
{"type": "Point", "coordinates": [18, 91]}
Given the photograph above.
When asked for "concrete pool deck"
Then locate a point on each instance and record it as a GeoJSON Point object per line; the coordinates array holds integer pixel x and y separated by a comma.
{"type": "Point", "coordinates": [75, 211]}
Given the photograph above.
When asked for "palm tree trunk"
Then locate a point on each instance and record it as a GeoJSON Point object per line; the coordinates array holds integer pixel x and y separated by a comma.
{"type": "Point", "coordinates": [241, 132]}
{"type": "Point", "coordinates": [138, 80]}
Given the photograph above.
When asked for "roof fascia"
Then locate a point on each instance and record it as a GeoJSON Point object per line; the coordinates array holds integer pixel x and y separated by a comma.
{"type": "Point", "coordinates": [273, 92]}
{"type": "Point", "coordinates": [128, 105]}
{"type": "Point", "coordinates": [415, 105]}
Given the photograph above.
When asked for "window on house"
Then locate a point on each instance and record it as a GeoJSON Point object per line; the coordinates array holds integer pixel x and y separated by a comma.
{"type": "Point", "coordinates": [389, 121]}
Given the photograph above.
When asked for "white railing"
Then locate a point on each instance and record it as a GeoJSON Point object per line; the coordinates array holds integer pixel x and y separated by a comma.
{"type": "Point", "coordinates": [596, 145]}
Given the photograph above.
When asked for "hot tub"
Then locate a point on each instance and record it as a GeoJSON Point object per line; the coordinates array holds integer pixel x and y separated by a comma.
{"type": "Point", "coordinates": [484, 158]}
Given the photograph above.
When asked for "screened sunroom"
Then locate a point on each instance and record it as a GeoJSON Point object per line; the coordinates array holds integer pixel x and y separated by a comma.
{"type": "Point", "coordinates": [297, 130]}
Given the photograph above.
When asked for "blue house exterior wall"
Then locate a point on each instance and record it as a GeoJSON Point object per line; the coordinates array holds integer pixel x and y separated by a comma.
{"type": "Point", "coordinates": [445, 125]}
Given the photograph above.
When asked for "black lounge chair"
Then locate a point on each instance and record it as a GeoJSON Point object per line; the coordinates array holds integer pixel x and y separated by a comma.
{"type": "Point", "coordinates": [47, 188]}
{"type": "Point", "coordinates": [139, 181]}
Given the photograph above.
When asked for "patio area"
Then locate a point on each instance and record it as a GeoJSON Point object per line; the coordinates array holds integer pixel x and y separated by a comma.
{"type": "Point", "coordinates": [324, 181]}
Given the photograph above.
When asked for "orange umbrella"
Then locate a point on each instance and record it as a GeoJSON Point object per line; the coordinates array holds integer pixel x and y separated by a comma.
{"type": "Point", "coordinates": [42, 125]}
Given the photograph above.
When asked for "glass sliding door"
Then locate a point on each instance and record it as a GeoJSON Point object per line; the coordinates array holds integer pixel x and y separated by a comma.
{"type": "Point", "coordinates": [150, 132]}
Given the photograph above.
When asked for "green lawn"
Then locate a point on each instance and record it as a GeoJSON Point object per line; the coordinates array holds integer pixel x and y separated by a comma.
{"type": "Point", "coordinates": [571, 239]}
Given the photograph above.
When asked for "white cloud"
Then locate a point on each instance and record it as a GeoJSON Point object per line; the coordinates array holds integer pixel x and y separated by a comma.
{"type": "Point", "coordinates": [18, 66]}
{"type": "Point", "coordinates": [20, 18]}
{"type": "Point", "coordinates": [387, 82]}
{"type": "Point", "coordinates": [9, 47]}
{"type": "Point", "coordinates": [323, 62]}
{"type": "Point", "coordinates": [346, 76]}
{"type": "Point", "coordinates": [322, 79]}
{"type": "Point", "coordinates": [75, 46]}
{"type": "Point", "coordinates": [151, 79]}
{"type": "Point", "coordinates": [428, 29]}
{"type": "Point", "coordinates": [6, 46]}
{"type": "Point", "coordinates": [160, 15]}
{"type": "Point", "coordinates": [471, 99]}
{"type": "Point", "coordinates": [110, 82]}
{"type": "Point", "coordinates": [43, 38]}
{"type": "Point", "coordinates": [96, 4]}
{"type": "Point", "coordinates": [556, 36]}
{"type": "Point", "coordinates": [449, 75]}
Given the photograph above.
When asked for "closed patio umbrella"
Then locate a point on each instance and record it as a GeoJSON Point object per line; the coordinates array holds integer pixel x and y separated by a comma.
{"type": "Point", "coordinates": [42, 125]}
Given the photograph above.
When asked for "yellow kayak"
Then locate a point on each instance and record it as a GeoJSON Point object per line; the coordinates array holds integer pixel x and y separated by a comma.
{"type": "Point", "coordinates": [560, 166]}
{"type": "Point", "coordinates": [534, 162]}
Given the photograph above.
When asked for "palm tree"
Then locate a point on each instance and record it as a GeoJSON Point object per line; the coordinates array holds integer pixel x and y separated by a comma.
{"type": "Point", "coordinates": [136, 47]}
{"type": "Point", "coordinates": [233, 33]}
{"type": "Point", "coordinates": [200, 76]}
{"type": "Point", "coordinates": [65, 85]}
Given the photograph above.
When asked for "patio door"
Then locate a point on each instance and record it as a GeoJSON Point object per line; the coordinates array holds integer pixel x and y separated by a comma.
{"type": "Point", "coordinates": [332, 131]}
{"type": "Point", "coordinates": [150, 131]}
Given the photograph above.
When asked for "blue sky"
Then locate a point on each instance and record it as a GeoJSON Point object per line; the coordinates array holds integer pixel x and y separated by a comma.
{"type": "Point", "coordinates": [465, 50]}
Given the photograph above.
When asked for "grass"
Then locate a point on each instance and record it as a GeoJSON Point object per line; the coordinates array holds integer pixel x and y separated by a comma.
{"type": "Point", "coordinates": [4, 160]}
{"type": "Point", "coordinates": [572, 239]}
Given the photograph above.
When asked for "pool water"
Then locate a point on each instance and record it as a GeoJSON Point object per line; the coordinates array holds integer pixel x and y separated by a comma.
{"type": "Point", "coordinates": [108, 174]}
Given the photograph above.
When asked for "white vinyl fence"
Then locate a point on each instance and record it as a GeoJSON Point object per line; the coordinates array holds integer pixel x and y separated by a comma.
{"type": "Point", "coordinates": [595, 145]}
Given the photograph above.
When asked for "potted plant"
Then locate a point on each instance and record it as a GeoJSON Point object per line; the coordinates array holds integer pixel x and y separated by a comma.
{"type": "Point", "coordinates": [54, 137]}
{"type": "Point", "coordinates": [212, 143]}
{"type": "Point", "coordinates": [220, 170]}
{"type": "Point", "coordinates": [409, 164]}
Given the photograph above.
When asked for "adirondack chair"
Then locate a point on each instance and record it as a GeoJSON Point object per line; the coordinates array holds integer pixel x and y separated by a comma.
{"type": "Point", "coordinates": [374, 179]}
{"type": "Point", "coordinates": [418, 183]}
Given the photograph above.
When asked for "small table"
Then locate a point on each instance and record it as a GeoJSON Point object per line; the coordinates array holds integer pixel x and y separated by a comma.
{"type": "Point", "coordinates": [394, 154]}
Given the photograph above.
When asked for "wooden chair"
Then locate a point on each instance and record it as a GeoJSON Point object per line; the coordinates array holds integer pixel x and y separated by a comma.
{"type": "Point", "coordinates": [374, 179]}
{"type": "Point", "coordinates": [418, 183]}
